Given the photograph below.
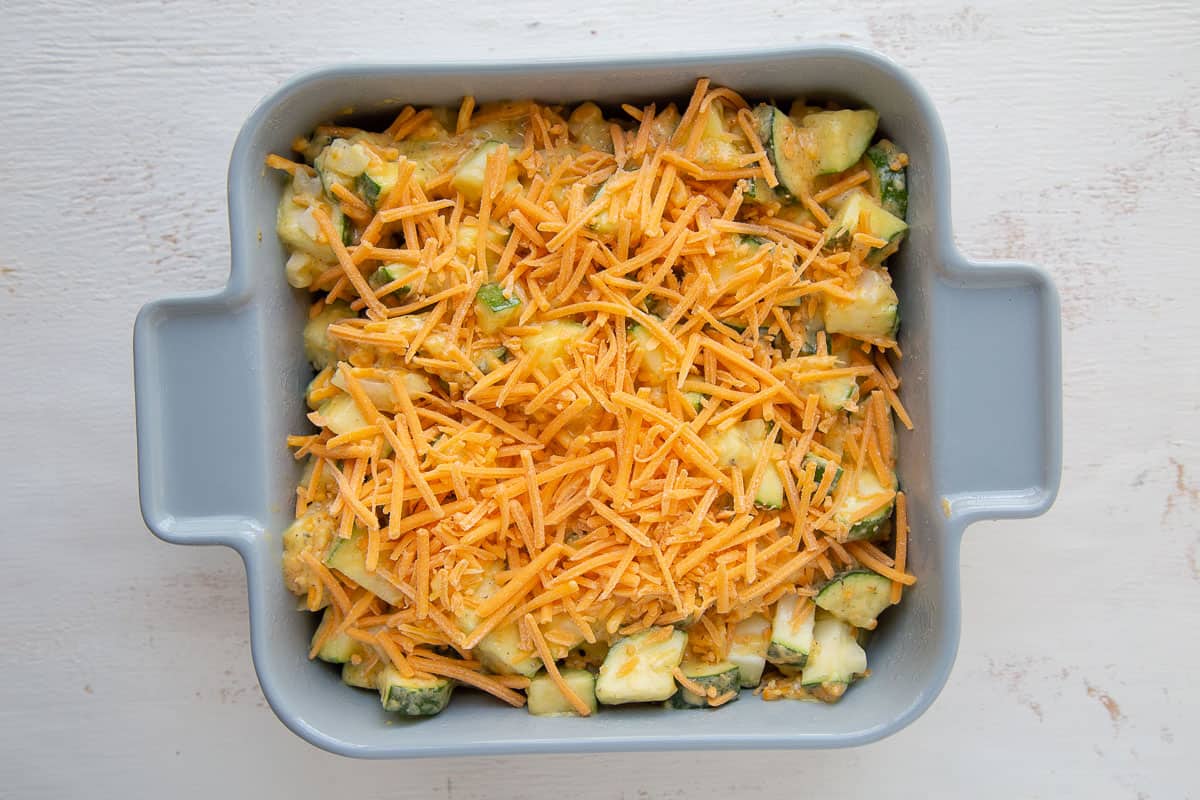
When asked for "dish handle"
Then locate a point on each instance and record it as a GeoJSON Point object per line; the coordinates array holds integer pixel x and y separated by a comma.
{"type": "Point", "coordinates": [998, 343]}
{"type": "Point", "coordinates": [194, 371]}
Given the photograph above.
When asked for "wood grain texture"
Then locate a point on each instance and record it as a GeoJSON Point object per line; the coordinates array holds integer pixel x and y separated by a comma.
{"type": "Point", "coordinates": [1075, 140]}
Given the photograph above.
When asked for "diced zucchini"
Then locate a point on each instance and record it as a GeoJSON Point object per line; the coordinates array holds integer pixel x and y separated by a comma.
{"type": "Point", "coordinates": [341, 415]}
{"type": "Point", "coordinates": [387, 274]}
{"type": "Point", "coordinates": [413, 697]}
{"type": "Point", "coordinates": [738, 445]}
{"type": "Point", "coordinates": [348, 556]}
{"type": "Point", "coordinates": [490, 358]}
{"type": "Point", "coordinates": [865, 493]}
{"type": "Point", "coordinates": [588, 127]}
{"type": "Point", "coordinates": [791, 150]}
{"type": "Point", "coordinates": [836, 393]}
{"type": "Point", "coordinates": [836, 660]}
{"type": "Point", "coordinates": [341, 162]}
{"type": "Point", "coordinates": [465, 241]}
{"type": "Point", "coordinates": [720, 148]}
{"type": "Point", "coordinates": [338, 648]}
{"type": "Point", "coordinates": [298, 229]}
{"type": "Point", "coordinates": [553, 340]}
{"type": "Point", "coordinates": [791, 632]}
{"type": "Point", "coordinates": [468, 175]}
{"type": "Point", "coordinates": [889, 178]}
{"type": "Point", "coordinates": [302, 269]}
{"type": "Point", "coordinates": [770, 493]}
{"type": "Point", "coordinates": [878, 223]}
{"type": "Point", "coordinates": [494, 309]}
{"type": "Point", "coordinates": [748, 649]}
{"type": "Point", "coordinates": [717, 679]}
{"type": "Point", "coordinates": [695, 400]}
{"type": "Point", "coordinates": [857, 597]}
{"type": "Point", "coordinates": [547, 700]}
{"type": "Point", "coordinates": [841, 136]}
{"type": "Point", "coordinates": [874, 313]}
{"type": "Point", "coordinates": [727, 264]}
{"type": "Point", "coordinates": [823, 464]}
{"type": "Point", "coordinates": [637, 671]}
{"type": "Point", "coordinates": [501, 652]}
{"type": "Point", "coordinates": [318, 345]}
{"type": "Point", "coordinates": [361, 675]}
{"type": "Point", "coordinates": [377, 180]}
{"type": "Point", "coordinates": [381, 393]}
{"type": "Point", "coordinates": [756, 190]}
{"type": "Point", "coordinates": [312, 532]}
{"type": "Point", "coordinates": [656, 365]}
{"type": "Point", "coordinates": [604, 222]}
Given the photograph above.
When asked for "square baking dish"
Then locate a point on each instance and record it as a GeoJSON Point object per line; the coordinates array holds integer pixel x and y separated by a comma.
{"type": "Point", "coordinates": [219, 383]}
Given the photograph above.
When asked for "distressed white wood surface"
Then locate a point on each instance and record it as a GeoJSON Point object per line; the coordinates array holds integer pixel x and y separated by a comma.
{"type": "Point", "coordinates": [1075, 139]}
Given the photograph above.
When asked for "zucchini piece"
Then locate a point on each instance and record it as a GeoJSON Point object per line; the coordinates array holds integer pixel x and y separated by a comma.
{"type": "Point", "coordinates": [338, 648]}
{"type": "Point", "coordinates": [387, 274]}
{"type": "Point", "coordinates": [858, 597]}
{"type": "Point", "coordinates": [739, 446]}
{"type": "Point", "coordinates": [823, 464]}
{"type": "Point", "coordinates": [360, 675]}
{"type": "Point", "coordinates": [554, 340]}
{"type": "Point", "coordinates": [726, 265]}
{"type": "Point", "coordinates": [656, 365]}
{"type": "Point", "coordinates": [889, 177]}
{"type": "Point", "coordinates": [546, 700]}
{"type": "Point", "coordinates": [770, 494]}
{"type": "Point", "coordinates": [302, 269]}
{"type": "Point", "coordinates": [791, 632]}
{"type": "Point", "coordinates": [341, 163]}
{"type": "Point", "coordinates": [836, 661]}
{"type": "Point", "coordinates": [874, 313]}
{"type": "Point", "coordinates": [341, 415]}
{"type": "Point", "coordinates": [604, 223]}
{"type": "Point", "coordinates": [841, 137]}
{"type": "Point", "coordinates": [717, 679]}
{"type": "Point", "coordinates": [879, 223]}
{"type": "Point", "coordinates": [348, 556]}
{"type": "Point", "coordinates": [296, 227]}
{"type": "Point", "coordinates": [468, 175]}
{"type": "Point", "coordinates": [638, 671]}
{"type": "Point", "coordinates": [494, 309]}
{"type": "Point", "coordinates": [756, 190]}
{"type": "Point", "coordinates": [381, 393]}
{"type": "Point", "coordinates": [318, 345]}
{"type": "Point", "coordinates": [791, 150]}
{"type": "Point", "coordinates": [588, 127]}
{"type": "Point", "coordinates": [501, 652]}
{"type": "Point", "coordinates": [311, 532]}
{"type": "Point", "coordinates": [464, 244]}
{"type": "Point", "coordinates": [719, 147]}
{"type": "Point", "coordinates": [867, 492]}
{"type": "Point", "coordinates": [695, 400]}
{"type": "Point", "coordinates": [836, 393]}
{"type": "Point", "coordinates": [748, 650]}
{"type": "Point", "coordinates": [377, 180]}
{"type": "Point", "coordinates": [490, 358]}
{"type": "Point", "coordinates": [412, 697]}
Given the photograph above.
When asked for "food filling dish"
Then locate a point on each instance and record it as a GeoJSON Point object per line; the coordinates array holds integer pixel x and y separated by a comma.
{"type": "Point", "coordinates": [604, 402]}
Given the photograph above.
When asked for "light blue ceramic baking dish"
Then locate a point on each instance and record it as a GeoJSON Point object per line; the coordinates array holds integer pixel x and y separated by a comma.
{"type": "Point", "coordinates": [219, 382]}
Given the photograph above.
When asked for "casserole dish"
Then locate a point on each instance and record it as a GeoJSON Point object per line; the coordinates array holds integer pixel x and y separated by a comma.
{"type": "Point", "coordinates": [219, 382]}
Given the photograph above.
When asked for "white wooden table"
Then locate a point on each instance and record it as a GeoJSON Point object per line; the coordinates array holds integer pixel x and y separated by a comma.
{"type": "Point", "coordinates": [1075, 139]}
